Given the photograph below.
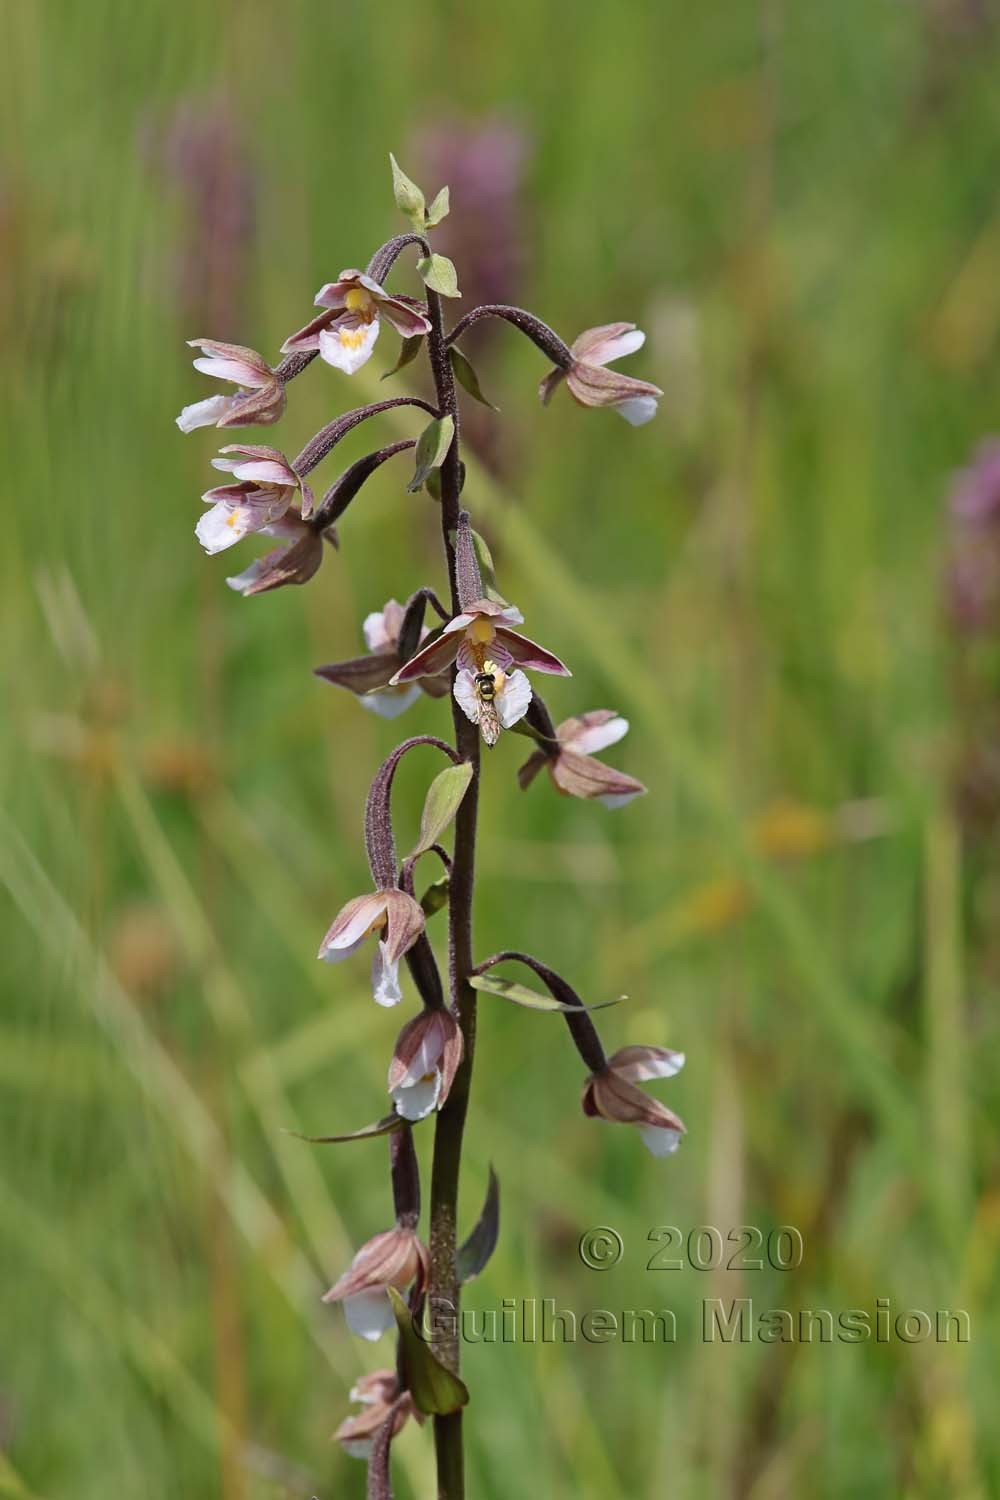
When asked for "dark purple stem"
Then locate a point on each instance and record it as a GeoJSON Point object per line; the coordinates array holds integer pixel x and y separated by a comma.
{"type": "Point", "coordinates": [540, 720]}
{"type": "Point", "coordinates": [386, 255]}
{"type": "Point", "coordinates": [405, 1178]}
{"type": "Point", "coordinates": [413, 621]}
{"type": "Point", "coordinates": [294, 364]}
{"type": "Point", "coordinates": [408, 866]}
{"type": "Point", "coordinates": [581, 1027]}
{"type": "Point", "coordinates": [343, 489]}
{"type": "Point", "coordinates": [379, 841]}
{"type": "Point", "coordinates": [540, 334]}
{"type": "Point", "coordinates": [450, 1128]}
{"type": "Point", "coordinates": [329, 436]}
{"type": "Point", "coordinates": [379, 1485]}
{"type": "Point", "coordinates": [424, 972]}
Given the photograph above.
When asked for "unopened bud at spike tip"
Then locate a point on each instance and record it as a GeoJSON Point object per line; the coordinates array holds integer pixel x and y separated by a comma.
{"type": "Point", "coordinates": [470, 581]}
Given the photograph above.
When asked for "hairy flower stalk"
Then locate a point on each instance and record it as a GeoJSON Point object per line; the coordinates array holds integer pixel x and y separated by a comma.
{"type": "Point", "coordinates": [444, 1288]}
{"type": "Point", "coordinates": [468, 649]}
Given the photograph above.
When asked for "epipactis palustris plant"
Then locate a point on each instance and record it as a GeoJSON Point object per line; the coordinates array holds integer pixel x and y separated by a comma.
{"type": "Point", "coordinates": [470, 648]}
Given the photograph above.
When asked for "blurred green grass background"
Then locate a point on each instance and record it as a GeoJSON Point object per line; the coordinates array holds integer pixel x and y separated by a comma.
{"type": "Point", "coordinates": [799, 202]}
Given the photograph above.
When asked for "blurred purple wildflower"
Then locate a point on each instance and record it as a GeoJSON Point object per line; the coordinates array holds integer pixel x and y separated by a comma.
{"type": "Point", "coordinates": [961, 17]}
{"type": "Point", "coordinates": [200, 151]}
{"type": "Point", "coordinates": [484, 167]}
{"type": "Point", "coordinates": [973, 572]}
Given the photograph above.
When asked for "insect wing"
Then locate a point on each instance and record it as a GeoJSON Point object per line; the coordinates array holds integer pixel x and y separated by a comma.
{"type": "Point", "coordinates": [489, 722]}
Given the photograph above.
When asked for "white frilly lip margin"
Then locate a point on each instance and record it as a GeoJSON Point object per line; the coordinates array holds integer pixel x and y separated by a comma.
{"type": "Point", "coordinates": [385, 978]}
{"type": "Point", "coordinates": [418, 1091]}
{"type": "Point", "coordinates": [512, 701]}
{"type": "Point", "coordinates": [205, 413]}
{"type": "Point", "coordinates": [341, 346]}
{"type": "Point", "coordinates": [369, 1314]}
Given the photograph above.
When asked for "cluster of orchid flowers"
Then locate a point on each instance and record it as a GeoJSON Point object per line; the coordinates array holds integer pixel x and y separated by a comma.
{"type": "Point", "coordinates": [472, 651]}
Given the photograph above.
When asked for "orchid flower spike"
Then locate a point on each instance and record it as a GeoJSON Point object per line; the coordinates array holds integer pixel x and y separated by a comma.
{"type": "Point", "coordinates": [591, 384]}
{"type": "Point", "coordinates": [264, 489]}
{"type": "Point", "coordinates": [489, 688]}
{"type": "Point", "coordinates": [611, 1094]}
{"type": "Point", "coordinates": [397, 1258]}
{"type": "Point", "coordinates": [345, 332]}
{"type": "Point", "coordinates": [427, 1054]}
{"type": "Point", "coordinates": [572, 767]}
{"type": "Point", "coordinates": [391, 912]}
{"type": "Point", "coordinates": [260, 401]}
{"type": "Point", "coordinates": [380, 1397]}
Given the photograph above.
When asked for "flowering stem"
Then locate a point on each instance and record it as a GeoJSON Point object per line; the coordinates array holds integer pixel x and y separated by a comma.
{"type": "Point", "coordinates": [533, 328]}
{"type": "Point", "coordinates": [329, 436]}
{"type": "Point", "coordinates": [444, 1289]}
{"type": "Point", "coordinates": [581, 1027]}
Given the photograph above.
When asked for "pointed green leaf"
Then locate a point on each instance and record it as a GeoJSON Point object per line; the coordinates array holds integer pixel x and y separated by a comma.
{"type": "Point", "coordinates": [409, 198]}
{"type": "Point", "coordinates": [481, 1243]}
{"type": "Point", "coordinates": [467, 377]}
{"type": "Point", "coordinates": [408, 351]}
{"type": "Point", "coordinates": [432, 449]}
{"type": "Point", "coordinates": [436, 895]}
{"type": "Point", "coordinates": [439, 209]}
{"type": "Point", "coordinates": [380, 1127]}
{"type": "Point", "coordinates": [490, 984]}
{"type": "Point", "coordinates": [433, 485]}
{"type": "Point", "coordinates": [444, 797]}
{"type": "Point", "coordinates": [435, 1390]}
{"type": "Point", "coordinates": [439, 274]}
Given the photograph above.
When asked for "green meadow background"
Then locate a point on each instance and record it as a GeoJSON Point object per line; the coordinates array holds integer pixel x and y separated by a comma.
{"type": "Point", "coordinates": [800, 203]}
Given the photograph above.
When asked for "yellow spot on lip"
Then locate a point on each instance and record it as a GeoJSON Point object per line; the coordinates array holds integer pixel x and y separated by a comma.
{"type": "Point", "coordinates": [481, 631]}
{"type": "Point", "coordinates": [233, 518]}
{"type": "Point", "coordinates": [352, 338]}
{"type": "Point", "coordinates": [360, 300]}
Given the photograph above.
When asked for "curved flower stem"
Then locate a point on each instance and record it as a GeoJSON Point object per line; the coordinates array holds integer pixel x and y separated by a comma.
{"type": "Point", "coordinates": [294, 364]}
{"type": "Point", "coordinates": [386, 255]}
{"type": "Point", "coordinates": [379, 841]}
{"type": "Point", "coordinates": [581, 1027]}
{"type": "Point", "coordinates": [540, 334]}
{"type": "Point", "coordinates": [444, 1287]}
{"type": "Point", "coordinates": [329, 436]}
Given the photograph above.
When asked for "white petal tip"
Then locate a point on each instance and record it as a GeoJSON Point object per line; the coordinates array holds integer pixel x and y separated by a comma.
{"type": "Point", "coordinates": [660, 1140]}
{"type": "Point", "coordinates": [638, 411]}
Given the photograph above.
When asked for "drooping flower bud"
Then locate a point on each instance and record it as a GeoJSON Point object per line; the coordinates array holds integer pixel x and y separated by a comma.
{"type": "Point", "coordinates": [391, 912]}
{"type": "Point", "coordinates": [592, 384]}
{"type": "Point", "coordinates": [260, 401]}
{"type": "Point", "coordinates": [380, 1397]}
{"type": "Point", "coordinates": [427, 1054]}
{"type": "Point", "coordinates": [396, 1258]}
{"type": "Point", "coordinates": [611, 1094]}
{"type": "Point", "coordinates": [571, 763]}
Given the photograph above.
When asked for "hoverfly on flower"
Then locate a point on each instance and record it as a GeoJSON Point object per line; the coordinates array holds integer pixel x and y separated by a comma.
{"type": "Point", "coordinates": [492, 698]}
